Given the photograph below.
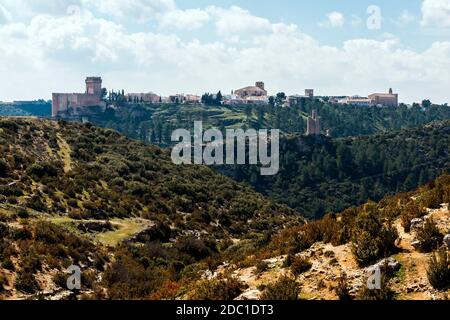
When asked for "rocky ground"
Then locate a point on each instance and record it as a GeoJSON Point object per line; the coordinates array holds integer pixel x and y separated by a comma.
{"type": "Point", "coordinates": [329, 263]}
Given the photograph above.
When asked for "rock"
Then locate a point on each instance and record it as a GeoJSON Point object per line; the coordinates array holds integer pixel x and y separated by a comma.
{"type": "Point", "coordinates": [249, 295]}
{"type": "Point", "coordinates": [416, 223]}
{"type": "Point", "coordinates": [416, 244]}
{"type": "Point", "coordinates": [447, 240]}
{"type": "Point", "coordinates": [391, 264]}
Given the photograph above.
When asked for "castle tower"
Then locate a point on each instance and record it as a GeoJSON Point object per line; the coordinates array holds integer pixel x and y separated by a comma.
{"type": "Point", "coordinates": [314, 124]}
{"type": "Point", "coordinates": [260, 85]}
{"type": "Point", "coordinates": [390, 91]}
{"type": "Point", "coordinates": [309, 93]}
{"type": "Point", "coordinates": [94, 86]}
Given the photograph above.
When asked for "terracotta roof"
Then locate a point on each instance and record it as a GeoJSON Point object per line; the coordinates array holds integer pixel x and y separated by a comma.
{"type": "Point", "coordinates": [251, 88]}
{"type": "Point", "coordinates": [383, 95]}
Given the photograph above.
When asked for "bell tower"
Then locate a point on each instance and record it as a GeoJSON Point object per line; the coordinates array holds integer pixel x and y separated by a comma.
{"type": "Point", "coordinates": [94, 86]}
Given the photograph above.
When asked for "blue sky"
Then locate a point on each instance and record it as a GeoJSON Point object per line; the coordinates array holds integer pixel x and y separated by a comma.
{"type": "Point", "coordinates": [193, 46]}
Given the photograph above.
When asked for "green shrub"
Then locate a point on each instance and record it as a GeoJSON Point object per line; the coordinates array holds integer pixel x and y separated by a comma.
{"type": "Point", "coordinates": [261, 267]}
{"type": "Point", "coordinates": [411, 211]}
{"type": "Point", "coordinates": [342, 289]}
{"type": "Point", "coordinates": [23, 213]}
{"type": "Point", "coordinates": [4, 169]}
{"type": "Point", "coordinates": [372, 238]}
{"type": "Point", "coordinates": [283, 289]}
{"type": "Point", "coordinates": [26, 282]}
{"type": "Point", "coordinates": [439, 270]}
{"type": "Point", "coordinates": [288, 260]}
{"type": "Point", "coordinates": [7, 264]}
{"type": "Point", "coordinates": [429, 236]}
{"type": "Point", "coordinates": [384, 293]}
{"type": "Point", "coordinates": [3, 282]}
{"type": "Point", "coordinates": [219, 289]}
{"type": "Point", "coordinates": [300, 265]}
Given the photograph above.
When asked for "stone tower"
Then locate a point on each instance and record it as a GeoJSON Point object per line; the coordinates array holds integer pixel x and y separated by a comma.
{"type": "Point", "coordinates": [260, 85]}
{"type": "Point", "coordinates": [314, 125]}
{"type": "Point", "coordinates": [94, 86]}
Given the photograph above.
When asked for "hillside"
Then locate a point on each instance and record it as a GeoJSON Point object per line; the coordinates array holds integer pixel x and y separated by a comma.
{"type": "Point", "coordinates": [154, 123]}
{"type": "Point", "coordinates": [321, 175]}
{"type": "Point", "coordinates": [141, 228]}
{"type": "Point", "coordinates": [68, 192]}
{"type": "Point", "coordinates": [406, 235]}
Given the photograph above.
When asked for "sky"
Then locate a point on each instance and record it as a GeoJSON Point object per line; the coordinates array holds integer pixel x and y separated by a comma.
{"type": "Point", "coordinates": [337, 47]}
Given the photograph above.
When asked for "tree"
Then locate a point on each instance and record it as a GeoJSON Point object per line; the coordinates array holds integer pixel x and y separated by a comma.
{"type": "Point", "coordinates": [104, 94]}
{"type": "Point", "coordinates": [219, 98]}
{"type": "Point", "coordinates": [271, 101]}
{"type": "Point", "coordinates": [426, 104]}
{"type": "Point", "coordinates": [281, 97]}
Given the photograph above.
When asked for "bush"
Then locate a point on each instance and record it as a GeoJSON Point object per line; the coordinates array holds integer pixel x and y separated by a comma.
{"type": "Point", "coordinates": [23, 213]}
{"type": "Point", "coordinates": [40, 170]}
{"type": "Point", "coordinates": [3, 168]}
{"type": "Point", "coordinates": [7, 264]}
{"type": "Point", "coordinates": [429, 236]}
{"type": "Point", "coordinates": [283, 289]}
{"type": "Point", "coordinates": [372, 239]}
{"type": "Point", "coordinates": [26, 282]}
{"type": "Point", "coordinates": [3, 282]}
{"type": "Point", "coordinates": [194, 247]}
{"type": "Point", "coordinates": [342, 290]}
{"type": "Point", "coordinates": [411, 211]}
{"type": "Point", "coordinates": [439, 270]}
{"type": "Point", "coordinates": [300, 265]}
{"type": "Point", "coordinates": [219, 289]}
{"type": "Point", "coordinates": [384, 293]}
{"type": "Point", "coordinates": [261, 266]}
{"type": "Point", "coordinates": [288, 260]}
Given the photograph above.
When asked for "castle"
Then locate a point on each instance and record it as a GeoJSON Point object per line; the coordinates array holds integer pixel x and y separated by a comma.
{"type": "Point", "coordinates": [314, 125]}
{"type": "Point", "coordinates": [75, 102]}
{"type": "Point", "coordinates": [253, 91]}
{"type": "Point", "coordinates": [386, 99]}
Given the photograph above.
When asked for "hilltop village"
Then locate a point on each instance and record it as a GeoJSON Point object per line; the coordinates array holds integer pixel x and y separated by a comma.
{"type": "Point", "coordinates": [97, 96]}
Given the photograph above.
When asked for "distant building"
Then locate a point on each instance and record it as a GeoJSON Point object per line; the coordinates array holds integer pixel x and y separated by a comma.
{"type": "Point", "coordinates": [294, 100]}
{"type": "Point", "coordinates": [385, 99]}
{"type": "Point", "coordinates": [177, 98]}
{"type": "Point", "coordinates": [143, 97]}
{"type": "Point", "coordinates": [309, 93]}
{"type": "Point", "coordinates": [65, 102]}
{"type": "Point", "coordinates": [356, 101]}
{"type": "Point", "coordinates": [257, 100]}
{"type": "Point", "coordinates": [253, 91]}
{"type": "Point", "coordinates": [192, 99]}
{"type": "Point", "coordinates": [314, 125]}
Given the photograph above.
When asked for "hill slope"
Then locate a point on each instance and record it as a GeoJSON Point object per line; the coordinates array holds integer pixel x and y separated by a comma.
{"type": "Point", "coordinates": [332, 258]}
{"type": "Point", "coordinates": [70, 191]}
{"type": "Point", "coordinates": [321, 175]}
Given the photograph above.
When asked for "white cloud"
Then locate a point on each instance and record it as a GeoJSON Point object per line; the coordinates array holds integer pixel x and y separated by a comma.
{"type": "Point", "coordinates": [356, 21]}
{"type": "Point", "coordinates": [142, 10]}
{"type": "Point", "coordinates": [334, 20]}
{"type": "Point", "coordinates": [5, 15]}
{"type": "Point", "coordinates": [405, 19]}
{"type": "Point", "coordinates": [436, 13]}
{"type": "Point", "coordinates": [29, 8]}
{"type": "Point", "coordinates": [184, 19]}
{"type": "Point", "coordinates": [55, 53]}
{"type": "Point", "coordinates": [235, 23]}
